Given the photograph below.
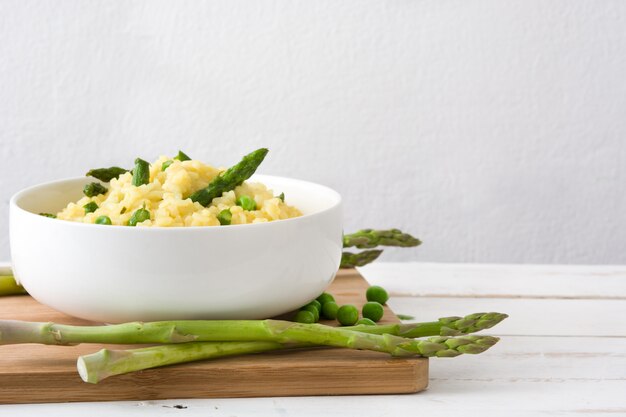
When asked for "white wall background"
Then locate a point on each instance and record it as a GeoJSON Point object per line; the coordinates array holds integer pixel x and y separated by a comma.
{"type": "Point", "coordinates": [494, 130]}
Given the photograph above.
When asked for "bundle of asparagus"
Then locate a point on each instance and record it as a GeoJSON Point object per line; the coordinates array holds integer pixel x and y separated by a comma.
{"type": "Point", "coordinates": [191, 340]}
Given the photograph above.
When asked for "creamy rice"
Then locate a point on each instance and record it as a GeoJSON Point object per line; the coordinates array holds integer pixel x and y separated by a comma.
{"type": "Point", "coordinates": [165, 197]}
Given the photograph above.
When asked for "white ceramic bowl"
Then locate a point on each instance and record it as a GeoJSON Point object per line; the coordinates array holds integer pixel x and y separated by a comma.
{"type": "Point", "coordinates": [115, 274]}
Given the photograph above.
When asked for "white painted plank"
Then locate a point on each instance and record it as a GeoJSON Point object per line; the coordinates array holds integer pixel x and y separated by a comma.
{"type": "Point", "coordinates": [443, 398]}
{"type": "Point", "coordinates": [553, 375]}
{"type": "Point", "coordinates": [530, 317]}
{"type": "Point", "coordinates": [525, 281]}
{"type": "Point", "coordinates": [539, 359]}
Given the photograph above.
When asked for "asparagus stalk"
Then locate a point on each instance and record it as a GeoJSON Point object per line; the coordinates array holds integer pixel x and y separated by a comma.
{"type": "Point", "coordinates": [445, 326]}
{"type": "Point", "coordinates": [141, 173]}
{"type": "Point", "coordinates": [106, 174]}
{"type": "Point", "coordinates": [182, 156]}
{"type": "Point", "coordinates": [351, 260]}
{"type": "Point", "coordinates": [104, 363]}
{"type": "Point", "coordinates": [13, 331]}
{"type": "Point", "coordinates": [8, 286]}
{"type": "Point", "coordinates": [93, 189]}
{"type": "Point", "coordinates": [95, 367]}
{"type": "Point", "coordinates": [231, 178]}
{"type": "Point", "coordinates": [369, 238]}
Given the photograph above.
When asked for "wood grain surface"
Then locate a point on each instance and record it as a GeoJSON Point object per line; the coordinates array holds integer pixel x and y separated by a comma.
{"type": "Point", "coordinates": [36, 373]}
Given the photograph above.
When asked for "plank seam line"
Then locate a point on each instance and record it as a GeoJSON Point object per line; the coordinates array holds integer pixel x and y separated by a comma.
{"type": "Point", "coordinates": [513, 296]}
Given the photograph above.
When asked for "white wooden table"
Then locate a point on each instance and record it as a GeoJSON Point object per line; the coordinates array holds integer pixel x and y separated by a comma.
{"type": "Point", "coordinates": [563, 349]}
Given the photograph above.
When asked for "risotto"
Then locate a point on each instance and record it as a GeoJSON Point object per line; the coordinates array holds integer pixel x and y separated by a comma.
{"type": "Point", "coordinates": [164, 200]}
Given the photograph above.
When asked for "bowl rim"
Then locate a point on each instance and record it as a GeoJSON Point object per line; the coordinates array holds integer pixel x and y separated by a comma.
{"type": "Point", "coordinates": [13, 205]}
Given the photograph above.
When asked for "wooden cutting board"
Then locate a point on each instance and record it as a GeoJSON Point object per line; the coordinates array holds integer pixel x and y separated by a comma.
{"type": "Point", "coordinates": [37, 373]}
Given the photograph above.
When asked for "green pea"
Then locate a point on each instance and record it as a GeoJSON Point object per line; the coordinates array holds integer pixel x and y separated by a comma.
{"type": "Point", "coordinates": [139, 216]}
{"type": "Point", "coordinates": [304, 316]}
{"type": "Point", "coordinates": [225, 217]}
{"type": "Point", "coordinates": [246, 203]}
{"type": "Point", "coordinates": [313, 310]}
{"type": "Point", "coordinates": [376, 293]}
{"type": "Point", "coordinates": [324, 298]}
{"type": "Point", "coordinates": [329, 310]}
{"type": "Point", "coordinates": [373, 310]}
{"type": "Point", "coordinates": [317, 305]}
{"type": "Point", "coordinates": [166, 164]}
{"type": "Point", "coordinates": [347, 315]}
{"type": "Point", "coordinates": [90, 207]}
{"type": "Point", "coordinates": [366, 322]}
{"type": "Point", "coordinates": [52, 216]}
{"type": "Point", "coordinates": [103, 220]}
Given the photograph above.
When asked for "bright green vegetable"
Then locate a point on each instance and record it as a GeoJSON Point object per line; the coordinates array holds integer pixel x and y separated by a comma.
{"type": "Point", "coordinates": [305, 316]}
{"type": "Point", "coordinates": [282, 197]}
{"type": "Point", "coordinates": [97, 366]}
{"type": "Point", "coordinates": [246, 203]}
{"type": "Point", "coordinates": [225, 217]}
{"type": "Point", "coordinates": [100, 365]}
{"type": "Point", "coordinates": [14, 331]}
{"type": "Point", "coordinates": [182, 156]}
{"type": "Point", "coordinates": [317, 305]}
{"type": "Point", "coordinates": [329, 310]}
{"type": "Point", "coordinates": [369, 238]}
{"type": "Point", "coordinates": [52, 216]}
{"type": "Point", "coordinates": [195, 339]}
{"type": "Point", "coordinates": [90, 207]}
{"type": "Point", "coordinates": [106, 174]}
{"type": "Point", "coordinates": [141, 172]}
{"type": "Point", "coordinates": [351, 260]}
{"type": "Point", "coordinates": [93, 189]}
{"type": "Point", "coordinates": [373, 310]}
{"type": "Point", "coordinates": [231, 178]}
{"type": "Point", "coordinates": [8, 286]}
{"type": "Point", "coordinates": [377, 293]}
{"type": "Point", "coordinates": [405, 317]}
{"type": "Point", "coordinates": [365, 322]}
{"type": "Point", "coordinates": [103, 220]}
{"type": "Point", "coordinates": [313, 310]}
{"type": "Point", "coordinates": [166, 164]}
{"type": "Point", "coordinates": [139, 216]}
{"type": "Point", "coordinates": [347, 315]}
{"type": "Point", "coordinates": [324, 298]}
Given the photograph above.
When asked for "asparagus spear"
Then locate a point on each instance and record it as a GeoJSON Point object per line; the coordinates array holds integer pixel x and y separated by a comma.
{"type": "Point", "coordinates": [97, 366]}
{"type": "Point", "coordinates": [350, 260]}
{"type": "Point", "coordinates": [106, 174]}
{"type": "Point", "coordinates": [182, 156]}
{"type": "Point", "coordinates": [141, 173]}
{"type": "Point", "coordinates": [12, 331]}
{"type": "Point", "coordinates": [16, 331]}
{"type": "Point", "coordinates": [8, 286]}
{"type": "Point", "coordinates": [369, 238]}
{"type": "Point", "coordinates": [231, 178]}
{"type": "Point", "coordinates": [445, 326]}
{"type": "Point", "coordinates": [100, 365]}
{"type": "Point", "coordinates": [93, 189]}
